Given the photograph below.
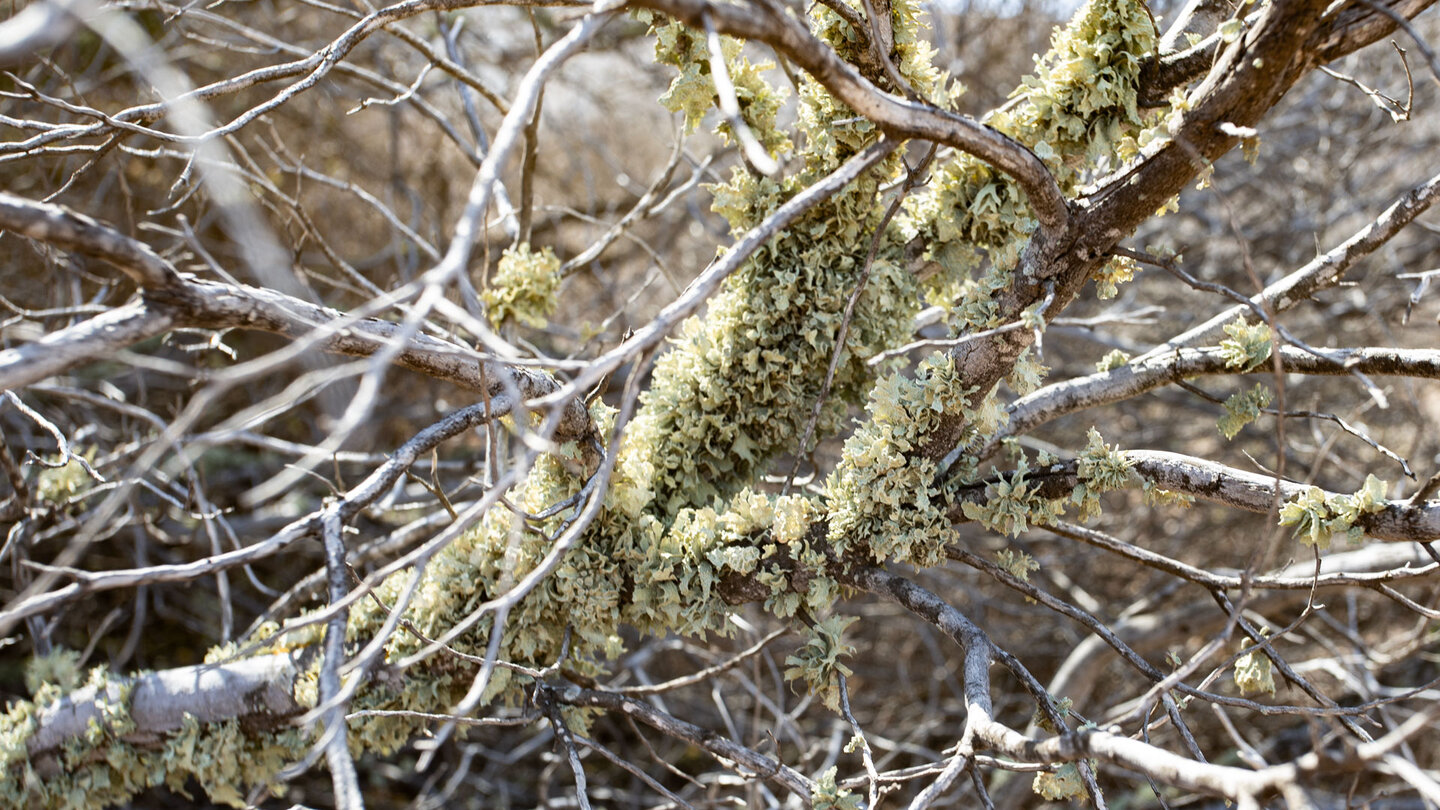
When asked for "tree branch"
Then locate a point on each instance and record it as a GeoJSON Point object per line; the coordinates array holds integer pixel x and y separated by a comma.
{"type": "Point", "coordinates": [1396, 522]}
{"type": "Point", "coordinates": [171, 300]}
{"type": "Point", "coordinates": [1159, 369]}
{"type": "Point", "coordinates": [899, 117]}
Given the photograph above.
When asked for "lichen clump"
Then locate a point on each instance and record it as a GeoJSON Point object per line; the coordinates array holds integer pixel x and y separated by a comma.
{"type": "Point", "coordinates": [1317, 515]}
{"type": "Point", "coordinates": [524, 287]}
{"type": "Point", "coordinates": [1253, 673]}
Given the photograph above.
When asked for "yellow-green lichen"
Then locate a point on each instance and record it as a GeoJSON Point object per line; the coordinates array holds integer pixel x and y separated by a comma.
{"type": "Point", "coordinates": [1063, 784]}
{"type": "Point", "coordinates": [61, 667]}
{"type": "Point", "coordinates": [1113, 360]}
{"type": "Point", "coordinates": [1253, 673]}
{"type": "Point", "coordinates": [827, 795]}
{"type": "Point", "coordinates": [1243, 408]}
{"type": "Point", "coordinates": [1248, 345]}
{"type": "Point", "coordinates": [1117, 271]}
{"type": "Point", "coordinates": [884, 497]}
{"type": "Point", "coordinates": [1077, 108]}
{"type": "Point", "coordinates": [734, 391]}
{"type": "Point", "coordinates": [60, 483]}
{"type": "Point", "coordinates": [817, 661]}
{"type": "Point", "coordinates": [524, 286]}
{"type": "Point", "coordinates": [692, 91]}
{"type": "Point", "coordinates": [1316, 515]}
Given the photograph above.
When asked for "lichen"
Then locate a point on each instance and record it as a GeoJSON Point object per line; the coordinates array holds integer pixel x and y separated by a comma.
{"type": "Point", "coordinates": [524, 286]}
{"type": "Point", "coordinates": [692, 91]}
{"type": "Point", "coordinates": [735, 390]}
{"type": "Point", "coordinates": [1117, 271]}
{"type": "Point", "coordinates": [1077, 107]}
{"type": "Point", "coordinates": [1016, 563]}
{"type": "Point", "coordinates": [1101, 468]}
{"type": "Point", "coordinates": [1113, 360]}
{"type": "Point", "coordinates": [61, 482]}
{"type": "Point", "coordinates": [1317, 515]}
{"type": "Point", "coordinates": [1064, 783]}
{"type": "Point", "coordinates": [826, 795]}
{"type": "Point", "coordinates": [1242, 408]}
{"type": "Point", "coordinates": [817, 661]}
{"type": "Point", "coordinates": [102, 768]}
{"type": "Point", "coordinates": [60, 667]}
{"type": "Point", "coordinates": [884, 497]}
{"type": "Point", "coordinates": [1248, 345]}
{"type": "Point", "coordinates": [1012, 505]}
{"type": "Point", "coordinates": [1253, 673]}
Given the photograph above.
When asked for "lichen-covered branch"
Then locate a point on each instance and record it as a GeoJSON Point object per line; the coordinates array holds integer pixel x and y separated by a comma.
{"type": "Point", "coordinates": [558, 565]}
{"type": "Point", "coordinates": [1392, 521]}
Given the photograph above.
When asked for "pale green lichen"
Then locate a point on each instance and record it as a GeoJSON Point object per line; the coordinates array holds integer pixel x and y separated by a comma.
{"type": "Point", "coordinates": [1117, 271]}
{"type": "Point", "coordinates": [1248, 346]}
{"type": "Point", "coordinates": [692, 91]}
{"type": "Point", "coordinates": [1061, 706]}
{"type": "Point", "coordinates": [1101, 468]}
{"type": "Point", "coordinates": [1012, 505]}
{"type": "Point", "coordinates": [884, 498]}
{"type": "Point", "coordinates": [1078, 106]}
{"type": "Point", "coordinates": [1113, 360]}
{"type": "Point", "coordinates": [60, 483]}
{"type": "Point", "coordinates": [735, 390]}
{"type": "Point", "coordinates": [99, 768]}
{"type": "Point", "coordinates": [1242, 408]}
{"type": "Point", "coordinates": [1316, 515]}
{"type": "Point", "coordinates": [60, 667]}
{"type": "Point", "coordinates": [1016, 563]}
{"type": "Point", "coordinates": [817, 661]}
{"type": "Point", "coordinates": [1159, 496]}
{"type": "Point", "coordinates": [826, 795]}
{"type": "Point", "coordinates": [1063, 784]}
{"type": "Point", "coordinates": [1253, 673]}
{"type": "Point", "coordinates": [524, 286]}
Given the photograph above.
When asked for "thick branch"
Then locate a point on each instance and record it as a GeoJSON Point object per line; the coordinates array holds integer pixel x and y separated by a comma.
{"type": "Point", "coordinates": [159, 701]}
{"type": "Point", "coordinates": [899, 117]}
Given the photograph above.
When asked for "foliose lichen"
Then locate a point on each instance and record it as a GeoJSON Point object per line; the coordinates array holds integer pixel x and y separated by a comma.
{"type": "Point", "coordinates": [1242, 408]}
{"type": "Point", "coordinates": [680, 514]}
{"type": "Point", "coordinates": [524, 286]}
{"type": "Point", "coordinates": [1317, 515]}
{"type": "Point", "coordinates": [1248, 345]}
{"type": "Point", "coordinates": [1063, 784]}
{"type": "Point", "coordinates": [1253, 673]}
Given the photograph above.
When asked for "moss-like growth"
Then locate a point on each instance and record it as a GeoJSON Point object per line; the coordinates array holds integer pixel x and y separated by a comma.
{"type": "Point", "coordinates": [524, 286]}
{"type": "Point", "coordinates": [1243, 408]}
{"type": "Point", "coordinates": [1248, 345]}
{"type": "Point", "coordinates": [1316, 515]}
